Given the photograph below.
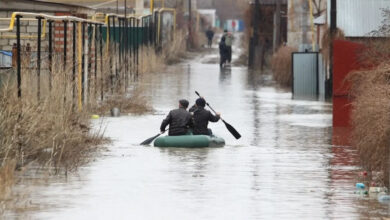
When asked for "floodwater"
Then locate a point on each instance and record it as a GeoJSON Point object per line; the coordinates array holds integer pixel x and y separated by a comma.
{"type": "Point", "coordinates": [283, 167]}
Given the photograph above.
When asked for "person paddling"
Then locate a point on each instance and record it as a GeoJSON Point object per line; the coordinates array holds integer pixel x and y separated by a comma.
{"type": "Point", "coordinates": [202, 117]}
{"type": "Point", "coordinates": [179, 120]}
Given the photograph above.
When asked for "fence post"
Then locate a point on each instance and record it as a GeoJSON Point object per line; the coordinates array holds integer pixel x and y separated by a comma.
{"type": "Point", "coordinates": [39, 58]}
{"type": "Point", "coordinates": [85, 64]}
{"type": "Point", "coordinates": [65, 55]}
{"type": "Point", "coordinates": [116, 60]}
{"type": "Point", "coordinates": [50, 54]}
{"type": "Point", "coordinates": [82, 61]}
{"type": "Point", "coordinates": [95, 56]}
{"type": "Point", "coordinates": [90, 33]}
{"type": "Point", "coordinates": [120, 41]}
{"type": "Point", "coordinates": [126, 53]}
{"type": "Point", "coordinates": [18, 56]}
{"type": "Point", "coordinates": [74, 64]}
{"type": "Point", "coordinates": [101, 61]}
{"type": "Point", "coordinates": [65, 43]}
{"type": "Point", "coordinates": [80, 57]}
{"type": "Point", "coordinates": [137, 48]}
{"type": "Point", "coordinates": [133, 46]}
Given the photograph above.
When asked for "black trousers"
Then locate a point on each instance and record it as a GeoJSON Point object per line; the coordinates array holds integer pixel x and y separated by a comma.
{"type": "Point", "coordinates": [229, 49]}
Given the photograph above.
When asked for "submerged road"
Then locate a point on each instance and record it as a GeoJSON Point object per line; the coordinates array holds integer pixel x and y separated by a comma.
{"type": "Point", "coordinates": [283, 167]}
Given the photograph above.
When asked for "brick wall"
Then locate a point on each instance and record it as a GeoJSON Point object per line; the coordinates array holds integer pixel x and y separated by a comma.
{"type": "Point", "coordinates": [29, 32]}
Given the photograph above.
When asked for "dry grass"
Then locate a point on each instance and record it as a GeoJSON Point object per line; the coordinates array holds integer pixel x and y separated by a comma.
{"type": "Point", "coordinates": [370, 90]}
{"type": "Point", "coordinates": [49, 131]}
{"type": "Point", "coordinates": [150, 61]}
{"type": "Point", "coordinates": [136, 103]}
{"type": "Point", "coordinates": [7, 171]}
{"type": "Point", "coordinates": [281, 64]}
{"type": "Point", "coordinates": [176, 50]}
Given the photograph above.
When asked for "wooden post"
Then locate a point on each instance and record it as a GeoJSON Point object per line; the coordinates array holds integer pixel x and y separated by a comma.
{"type": "Point", "coordinates": [276, 40]}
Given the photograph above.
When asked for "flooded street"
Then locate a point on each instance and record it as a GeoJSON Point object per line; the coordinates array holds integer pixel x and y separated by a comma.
{"type": "Point", "coordinates": [283, 167]}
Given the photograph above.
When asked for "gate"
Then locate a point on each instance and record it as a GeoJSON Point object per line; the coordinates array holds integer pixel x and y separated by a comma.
{"type": "Point", "coordinates": [307, 75]}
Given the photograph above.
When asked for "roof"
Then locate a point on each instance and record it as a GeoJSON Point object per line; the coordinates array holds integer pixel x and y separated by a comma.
{"type": "Point", "coordinates": [269, 2]}
{"type": "Point", "coordinates": [358, 18]}
{"type": "Point", "coordinates": [95, 3]}
{"type": "Point", "coordinates": [320, 20]}
{"type": "Point", "coordinates": [42, 6]}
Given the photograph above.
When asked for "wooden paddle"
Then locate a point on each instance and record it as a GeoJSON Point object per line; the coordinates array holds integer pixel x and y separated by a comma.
{"type": "Point", "coordinates": [150, 140]}
{"type": "Point", "coordinates": [231, 129]}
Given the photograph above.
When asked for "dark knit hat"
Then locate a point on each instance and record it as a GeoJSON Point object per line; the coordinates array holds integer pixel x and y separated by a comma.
{"type": "Point", "coordinates": [184, 103]}
{"type": "Point", "coordinates": [200, 102]}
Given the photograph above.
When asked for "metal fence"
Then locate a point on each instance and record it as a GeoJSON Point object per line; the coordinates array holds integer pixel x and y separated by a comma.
{"type": "Point", "coordinates": [86, 45]}
{"type": "Point", "coordinates": [308, 76]}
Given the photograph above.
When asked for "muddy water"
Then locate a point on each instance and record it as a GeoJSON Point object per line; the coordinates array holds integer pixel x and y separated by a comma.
{"type": "Point", "coordinates": [283, 167]}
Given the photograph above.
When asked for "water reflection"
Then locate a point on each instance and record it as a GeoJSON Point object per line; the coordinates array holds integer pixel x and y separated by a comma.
{"type": "Point", "coordinates": [225, 75]}
{"type": "Point", "coordinates": [284, 167]}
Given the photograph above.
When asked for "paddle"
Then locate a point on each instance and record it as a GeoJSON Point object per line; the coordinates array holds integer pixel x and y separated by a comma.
{"type": "Point", "coordinates": [231, 129]}
{"type": "Point", "coordinates": [150, 140]}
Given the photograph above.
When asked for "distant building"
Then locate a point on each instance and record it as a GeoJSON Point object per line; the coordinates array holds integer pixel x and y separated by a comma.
{"type": "Point", "coordinates": [360, 18]}
{"type": "Point", "coordinates": [43, 7]}
{"type": "Point", "coordinates": [210, 16]}
{"type": "Point", "coordinates": [30, 27]}
{"type": "Point", "coordinates": [300, 22]}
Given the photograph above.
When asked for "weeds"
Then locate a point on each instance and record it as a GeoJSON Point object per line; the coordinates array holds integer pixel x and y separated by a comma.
{"type": "Point", "coordinates": [176, 50]}
{"type": "Point", "coordinates": [281, 64]}
{"type": "Point", "coordinates": [370, 90]}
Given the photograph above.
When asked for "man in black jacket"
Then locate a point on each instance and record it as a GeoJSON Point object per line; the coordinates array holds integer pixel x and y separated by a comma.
{"type": "Point", "coordinates": [202, 117]}
{"type": "Point", "coordinates": [178, 120]}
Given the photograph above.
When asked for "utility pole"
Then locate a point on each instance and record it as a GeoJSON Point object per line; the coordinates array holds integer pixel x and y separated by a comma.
{"type": "Point", "coordinates": [189, 43]}
{"type": "Point", "coordinates": [333, 29]}
{"type": "Point", "coordinates": [276, 40]}
{"type": "Point", "coordinates": [254, 40]}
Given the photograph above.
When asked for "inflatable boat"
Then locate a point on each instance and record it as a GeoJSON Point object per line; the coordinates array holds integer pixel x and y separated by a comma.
{"type": "Point", "coordinates": [189, 141]}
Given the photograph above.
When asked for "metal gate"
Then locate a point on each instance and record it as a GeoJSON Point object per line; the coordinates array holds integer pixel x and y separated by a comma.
{"type": "Point", "coordinates": [308, 76]}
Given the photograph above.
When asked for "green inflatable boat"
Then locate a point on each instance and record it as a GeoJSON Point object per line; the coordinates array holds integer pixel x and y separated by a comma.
{"type": "Point", "coordinates": [189, 141]}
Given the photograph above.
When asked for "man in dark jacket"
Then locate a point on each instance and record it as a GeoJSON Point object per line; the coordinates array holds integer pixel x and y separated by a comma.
{"type": "Point", "coordinates": [223, 52]}
{"type": "Point", "coordinates": [178, 120]}
{"type": "Point", "coordinates": [210, 36]}
{"type": "Point", "coordinates": [202, 117]}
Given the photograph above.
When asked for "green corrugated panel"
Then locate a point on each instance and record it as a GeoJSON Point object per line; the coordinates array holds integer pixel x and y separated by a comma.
{"type": "Point", "coordinates": [132, 34]}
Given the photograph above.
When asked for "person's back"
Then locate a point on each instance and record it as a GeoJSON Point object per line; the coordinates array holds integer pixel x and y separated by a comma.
{"type": "Point", "coordinates": [223, 52]}
{"type": "Point", "coordinates": [229, 39]}
{"type": "Point", "coordinates": [178, 120]}
{"type": "Point", "coordinates": [210, 34]}
{"type": "Point", "coordinates": [201, 118]}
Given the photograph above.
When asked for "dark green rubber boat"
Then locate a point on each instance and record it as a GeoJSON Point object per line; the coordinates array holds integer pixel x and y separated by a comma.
{"type": "Point", "coordinates": [189, 141]}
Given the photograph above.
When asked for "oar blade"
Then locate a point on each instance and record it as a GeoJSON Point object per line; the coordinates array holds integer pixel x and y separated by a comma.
{"type": "Point", "coordinates": [150, 140]}
{"type": "Point", "coordinates": [232, 130]}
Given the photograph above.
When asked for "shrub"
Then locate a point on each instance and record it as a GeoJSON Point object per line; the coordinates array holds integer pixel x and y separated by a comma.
{"type": "Point", "coordinates": [281, 64]}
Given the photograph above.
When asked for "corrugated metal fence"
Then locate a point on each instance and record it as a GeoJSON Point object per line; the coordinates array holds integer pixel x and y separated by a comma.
{"type": "Point", "coordinates": [308, 76]}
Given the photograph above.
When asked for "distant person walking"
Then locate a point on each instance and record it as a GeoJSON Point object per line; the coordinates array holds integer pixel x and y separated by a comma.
{"type": "Point", "coordinates": [229, 38]}
{"type": "Point", "coordinates": [223, 52]}
{"type": "Point", "coordinates": [210, 36]}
